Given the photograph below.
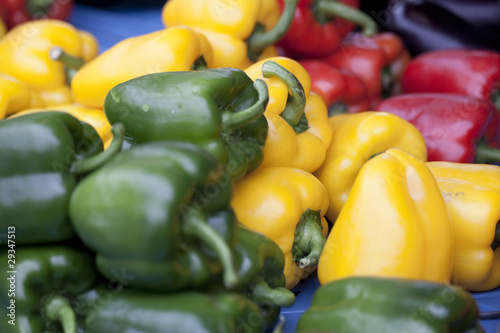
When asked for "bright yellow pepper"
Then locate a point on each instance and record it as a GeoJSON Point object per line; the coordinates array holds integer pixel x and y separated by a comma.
{"type": "Point", "coordinates": [288, 206]}
{"type": "Point", "coordinates": [240, 31]}
{"type": "Point", "coordinates": [299, 133]}
{"type": "Point", "coordinates": [173, 49]}
{"type": "Point", "coordinates": [356, 138]}
{"type": "Point", "coordinates": [472, 195]}
{"type": "Point", "coordinates": [394, 224]}
{"type": "Point", "coordinates": [94, 117]}
{"type": "Point", "coordinates": [16, 96]}
{"type": "Point", "coordinates": [24, 55]}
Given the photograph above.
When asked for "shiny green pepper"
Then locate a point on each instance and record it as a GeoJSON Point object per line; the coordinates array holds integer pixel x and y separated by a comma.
{"type": "Point", "coordinates": [219, 109]}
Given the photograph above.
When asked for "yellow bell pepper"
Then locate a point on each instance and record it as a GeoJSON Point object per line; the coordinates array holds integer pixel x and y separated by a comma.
{"type": "Point", "coordinates": [394, 224]}
{"type": "Point", "coordinates": [173, 49]}
{"type": "Point", "coordinates": [25, 55]}
{"type": "Point", "coordinates": [472, 195]}
{"type": "Point", "coordinates": [16, 96]}
{"type": "Point", "coordinates": [287, 205]}
{"type": "Point", "coordinates": [299, 133]}
{"type": "Point", "coordinates": [356, 138]}
{"type": "Point", "coordinates": [94, 117]}
{"type": "Point", "coordinates": [241, 31]}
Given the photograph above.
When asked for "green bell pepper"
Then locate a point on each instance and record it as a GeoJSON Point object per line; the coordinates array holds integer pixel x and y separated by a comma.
{"type": "Point", "coordinates": [382, 305]}
{"type": "Point", "coordinates": [43, 156]}
{"type": "Point", "coordinates": [145, 213]}
{"type": "Point", "coordinates": [219, 109]}
{"type": "Point", "coordinates": [39, 290]}
{"type": "Point", "coordinates": [187, 311]}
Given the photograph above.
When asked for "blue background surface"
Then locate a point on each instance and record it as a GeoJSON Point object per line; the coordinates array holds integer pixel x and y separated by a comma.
{"type": "Point", "coordinates": [113, 24]}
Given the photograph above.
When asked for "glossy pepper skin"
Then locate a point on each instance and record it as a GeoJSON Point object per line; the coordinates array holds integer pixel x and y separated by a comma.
{"type": "Point", "coordinates": [46, 281]}
{"type": "Point", "coordinates": [165, 192]}
{"type": "Point", "coordinates": [288, 206]}
{"type": "Point", "coordinates": [27, 47]}
{"type": "Point", "coordinates": [380, 305]}
{"type": "Point", "coordinates": [220, 110]}
{"type": "Point", "coordinates": [16, 96]}
{"type": "Point", "coordinates": [46, 154]}
{"type": "Point", "coordinates": [94, 117]}
{"type": "Point", "coordinates": [21, 11]}
{"type": "Point", "coordinates": [173, 49]}
{"type": "Point", "coordinates": [298, 133]}
{"type": "Point", "coordinates": [241, 32]}
{"type": "Point", "coordinates": [472, 194]}
{"type": "Point", "coordinates": [188, 311]}
{"type": "Point", "coordinates": [319, 26]}
{"type": "Point", "coordinates": [474, 73]}
{"type": "Point", "coordinates": [456, 128]}
{"type": "Point", "coordinates": [394, 223]}
{"type": "Point", "coordinates": [356, 138]}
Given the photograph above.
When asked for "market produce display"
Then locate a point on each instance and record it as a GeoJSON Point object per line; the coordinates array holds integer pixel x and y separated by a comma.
{"type": "Point", "coordinates": [193, 178]}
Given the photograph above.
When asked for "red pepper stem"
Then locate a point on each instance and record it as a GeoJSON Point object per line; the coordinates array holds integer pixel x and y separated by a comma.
{"type": "Point", "coordinates": [195, 225]}
{"type": "Point", "coordinates": [59, 309]}
{"type": "Point", "coordinates": [309, 239]}
{"type": "Point", "coordinates": [486, 154]}
{"type": "Point", "coordinates": [295, 105]}
{"type": "Point", "coordinates": [336, 9]}
{"type": "Point", "coordinates": [262, 293]}
{"type": "Point", "coordinates": [260, 39]}
{"type": "Point", "coordinates": [89, 164]}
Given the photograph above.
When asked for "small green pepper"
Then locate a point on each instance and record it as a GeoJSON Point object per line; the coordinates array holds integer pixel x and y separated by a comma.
{"type": "Point", "coordinates": [145, 213]}
{"type": "Point", "coordinates": [38, 292]}
{"type": "Point", "coordinates": [382, 305]}
{"type": "Point", "coordinates": [219, 109]}
{"type": "Point", "coordinates": [43, 156]}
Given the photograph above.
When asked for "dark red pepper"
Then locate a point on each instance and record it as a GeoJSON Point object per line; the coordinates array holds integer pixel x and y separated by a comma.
{"type": "Point", "coordinates": [339, 89]}
{"type": "Point", "coordinates": [456, 128]}
{"type": "Point", "coordinates": [469, 72]}
{"type": "Point", "coordinates": [319, 26]}
{"type": "Point", "coordinates": [20, 11]}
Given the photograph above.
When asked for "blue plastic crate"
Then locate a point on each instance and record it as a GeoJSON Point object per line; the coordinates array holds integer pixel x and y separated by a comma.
{"type": "Point", "coordinates": [112, 25]}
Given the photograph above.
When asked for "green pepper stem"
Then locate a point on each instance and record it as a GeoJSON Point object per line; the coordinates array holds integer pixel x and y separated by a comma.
{"type": "Point", "coordinates": [260, 39]}
{"type": "Point", "coordinates": [486, 154]}
{"type": "Point", "coordinates": [295, 106]}
{"type": "Point", "coordinates": [234, 120]}
{"type": "Point", "coordinates": [263, 293]}
{"type": "Point", "coordinates": [59, 309]}
{"type": "Point", "coordinates": [336, 9]}
{"type": "Point", "coordinates": [495, 98]}
{"type": "Point", "coordinates": [71, 63]}
{"type": "Point", "coordinates": [89, 164]}
{"type": "Point", "coordinates": [196, 226]}
{"type": "Point", "coordinates": [309, 239]}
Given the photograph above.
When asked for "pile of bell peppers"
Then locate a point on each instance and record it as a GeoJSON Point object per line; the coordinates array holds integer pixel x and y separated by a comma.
{"type": "Point", "coordinates": [190, 178]}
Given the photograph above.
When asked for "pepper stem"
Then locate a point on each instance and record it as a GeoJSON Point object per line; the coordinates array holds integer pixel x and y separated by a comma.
{"type": "Point", "coordinates": [59, 309]}
{"type": "Point", "coordinates": [486, 154]}
{"type": "Point", "coordinates": [196, 226]}
{"type": "Point", "coordinates": [293, 113]}
{"type": "Point", "coordinates": [71, 63]}
{"type": "Point", "coordinates": [495, 98]}
{"type": "Point", "coordinates": [234, 120]}
{"type": "Point", "coordinates": [309, 239]}
{"type": "Point", "coordinates": [335, 9]}
{"type": "Point", "coordinates": [89, 164]}
{"type": "Point", "coordinates": [262, 293]}
{"type": "Point", "coordinates": [260, 39]}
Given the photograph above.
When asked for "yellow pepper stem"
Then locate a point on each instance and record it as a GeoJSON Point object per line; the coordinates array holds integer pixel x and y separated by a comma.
{"type": "Point", "coordinates": [89, 164]}
{"type": "Point", "coordinates": [71, 64]}
{"type": "Point", "coordinates": [309, 239]}
{"type": "Point", "coordinates": [260, 39]}
{"type": "Point", "coordinates": [262, 293]}
{"type": "Point", "coordinates": [233, 120]}
{"type": "Point", "coordinates": [293, 113]}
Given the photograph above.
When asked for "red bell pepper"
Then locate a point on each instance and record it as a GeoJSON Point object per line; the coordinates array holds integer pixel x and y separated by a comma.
{"type": "Point", "coordinates": [319, 26]}
{"type": "Point", "coordinates": [20, 11]}
{"type": "Point", "coordinates": [339, 89]}
{"type": "Point", "coordinates": [470, 72]}
{"type": "Point", "coordinates": [456, 128]}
